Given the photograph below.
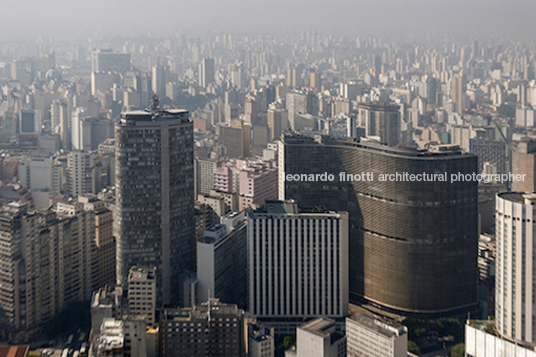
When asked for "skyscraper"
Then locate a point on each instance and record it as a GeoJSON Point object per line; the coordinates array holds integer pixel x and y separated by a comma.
{"type": "Point", "coordinates": [154, 222]}
{"type": "Point", "coordinates": [515, 279]}
{"type": "Point", "coordinates": [206, 72]}
{"type": "Point", "coordinates": [159, 81]}
{"type": "Point", "coordinates": [382, 121]}
{"type": "Point", "coordinates": [456, 89]}
{"type": "Point", "coordinates": [104, 60]}
{"type": "Point", "coordinates": [413, 244]}
{"type": "Point", "coordinates": [297, 263]}
{"type": "Point", "coordinates": [299, 102]}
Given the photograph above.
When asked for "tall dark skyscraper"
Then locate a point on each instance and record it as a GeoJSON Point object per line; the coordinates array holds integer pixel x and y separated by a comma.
{"type": "Point", "coordinates": [155, 197]}
{"type": "Point", "coordinates": [412, 243]}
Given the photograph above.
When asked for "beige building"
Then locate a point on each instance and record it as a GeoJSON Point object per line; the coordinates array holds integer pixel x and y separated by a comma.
{"type": "Point", "coordinates": [319, 338]}
{"type": "Point", "coordinates": [142, 292]}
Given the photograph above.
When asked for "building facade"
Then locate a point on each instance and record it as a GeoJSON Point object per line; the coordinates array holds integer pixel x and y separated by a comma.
{"type": "Point", "coordinates": [310, 252]}
{"type": "Point", "coordinates": [515, 280]}
{"type": "Point", "coordinates": [373, 337]}
{"type": "Point", "coordinates": [154, 222]}
{"type": "Point", "coordinates": [394, 223]}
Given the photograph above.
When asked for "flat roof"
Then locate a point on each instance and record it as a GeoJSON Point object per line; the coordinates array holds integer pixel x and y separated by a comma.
{"type": "Point", "coordinates": [387, 328]}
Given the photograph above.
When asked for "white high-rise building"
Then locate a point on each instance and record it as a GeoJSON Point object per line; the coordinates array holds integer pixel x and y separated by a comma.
{"type": "Point", "coordinates": [515, 279]}
{"type": "Point", "coordinates": [297, 262]}
{"type": "Point", "coordinates": [374, 337]}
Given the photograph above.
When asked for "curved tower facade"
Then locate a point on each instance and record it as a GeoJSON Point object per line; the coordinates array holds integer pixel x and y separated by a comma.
{"type": "Point", "coordinates": [413, 244]}
{"type": "Point", "coordinates": [154, 222]}
{"type": "Point", "coordinates": [515, 277]}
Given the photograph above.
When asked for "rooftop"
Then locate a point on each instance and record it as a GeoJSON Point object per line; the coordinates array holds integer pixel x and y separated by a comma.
{"type": "Point", "coordinates": [390, 329]}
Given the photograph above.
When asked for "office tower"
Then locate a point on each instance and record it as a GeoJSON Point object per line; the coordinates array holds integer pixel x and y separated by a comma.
{"type": "Point", "coordinates": [299, 102]}
{"type": "Point", "coordinates": [314, 79]}
{"type": "Point", "coordinates": [80, 173]}
{"type": "Point", "coordinates": [394, 223]}
{"type": "Point", "coordinates": [104, 272]}
{"type": "Point", "coordinates": [515, 279]}
{"type": "Point", "coordinates": [351, 126]}
{"type": "Point", "coordinates": [222, 261]}
{"type": "Point", "coordinates": [462, 134]}
{"type": "Point", "coordinates": [279, 240]}
{"type": "Point", "coordinates": [350, 90]}
{"type": "Point", "coordinates": [206, 72]}
{"type": "Point", "coordinates": [142, 292]}
{"type": "Point", "coordinates": [456, 89]}
{"type": "Point", "coordinates": [257, 185]}
{"type": "Point", "coordinates": [381, 121]}
{"type": "Point", "coordinates": [261, 340]}
{"type": "Point", "coordinates": [236, 139]}
{"type": "Point", "coordinates": [103, 82]}
{"type": "Point", "coordinates": [105, 60]}
{"type": "Point", "coordinates": [155, 196]}
{"type": "Point", "coordinates": [319, 338]}
{"type": "Point", "coordinates": [374, 337]}
{"type": "Point", "coordinates": [29, 121]}
{"type": "Point", "coordinates": [217, 328]}
{"type": "Point", "coordinates": [487, 150]}
{"type": "Point", "coordinates": [251, 111]}
{"type": "Point", "coordinates": [277, 122]}
{"type": "Point", "coordinates": [204, 175]}
{"type": "Point", "coordinates": [238, 77]}
{"type": "Point", "coordinates": [159, 81]}
{"type": "Point", "coordinates": [524, 163]}
{"type": "Point", "coordinates": [78, 127]}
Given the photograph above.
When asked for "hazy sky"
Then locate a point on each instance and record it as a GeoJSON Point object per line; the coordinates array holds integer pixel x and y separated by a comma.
{"type": "Point", "coordinates": [514, 18]}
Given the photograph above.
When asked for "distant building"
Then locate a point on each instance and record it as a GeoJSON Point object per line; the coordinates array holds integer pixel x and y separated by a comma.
{"type": "Point", "coordinates": [104, 60]}
{"type": "Point", "coordinates": [277, 122]}
{"type": "Point", "coordinates": [236, 139]}
{"type": "Point", "coordinates": [381, 120]}
{"type": "Point", "coordinates": [374, 337]}
{"type": "Point", "coordinates": [206, 72]}
{"type": "Point", "coordinates": [524, 163]}
{"type": "Point", "coordinates": [299, 102]}
{"type": "Point", "coordinates": [489, 151]}
{"type": "Point", "coordinates": [204, 175]}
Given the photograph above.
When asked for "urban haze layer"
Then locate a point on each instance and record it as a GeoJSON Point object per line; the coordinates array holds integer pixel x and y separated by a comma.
{"type": "Point", "coordinates": [301, 190]}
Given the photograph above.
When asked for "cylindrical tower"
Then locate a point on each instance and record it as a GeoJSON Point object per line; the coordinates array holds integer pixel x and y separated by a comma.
{"type": "Point", "coordinates": [515, 275]}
